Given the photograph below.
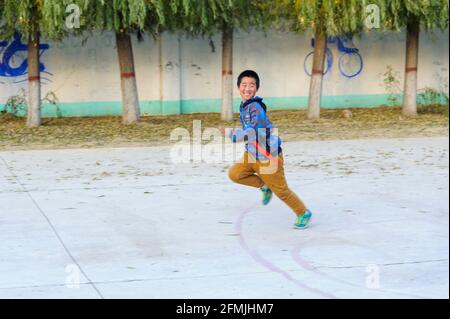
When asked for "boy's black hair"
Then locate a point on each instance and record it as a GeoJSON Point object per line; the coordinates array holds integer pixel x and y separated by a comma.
{"type": "Point", "coordinates": [250, 74]}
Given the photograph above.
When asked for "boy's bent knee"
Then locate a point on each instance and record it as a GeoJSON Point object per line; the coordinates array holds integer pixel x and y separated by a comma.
{"type": "Point", "coordinates": [233, 175]}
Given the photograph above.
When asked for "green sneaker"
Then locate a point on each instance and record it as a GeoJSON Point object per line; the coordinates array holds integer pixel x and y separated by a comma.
{"type": "Point", "coordinates": [302, 221]}
{"type": "Point", "coordinates": [266, 194]}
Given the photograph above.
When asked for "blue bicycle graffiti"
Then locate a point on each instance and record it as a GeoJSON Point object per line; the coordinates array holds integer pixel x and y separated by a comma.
{"type": "Point", "coordinates": [14, 61]}
{"type": "Point", "coordinates": [350, 62]}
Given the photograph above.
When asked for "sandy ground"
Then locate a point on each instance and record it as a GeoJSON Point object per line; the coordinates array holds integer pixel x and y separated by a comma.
{"type": "Point", "coordinates": [132, 223]}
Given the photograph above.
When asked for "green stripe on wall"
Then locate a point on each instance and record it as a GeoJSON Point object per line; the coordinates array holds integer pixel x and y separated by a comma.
{"type": "Point", "coordinates": [208, 105]}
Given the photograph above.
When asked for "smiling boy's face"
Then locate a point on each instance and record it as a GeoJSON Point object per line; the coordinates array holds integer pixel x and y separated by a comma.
{"type": "Point", "coordinates": [247, 88]}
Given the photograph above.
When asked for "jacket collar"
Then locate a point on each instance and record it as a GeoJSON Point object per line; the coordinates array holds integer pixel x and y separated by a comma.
{"type": "Point", "coordinates": [253, 99]}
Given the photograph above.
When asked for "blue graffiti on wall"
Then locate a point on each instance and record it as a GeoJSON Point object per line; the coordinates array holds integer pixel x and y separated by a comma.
{"type": "Point", "coordinates": [13, 61]}
{"type": "Point", "coordinates": [350, 61]}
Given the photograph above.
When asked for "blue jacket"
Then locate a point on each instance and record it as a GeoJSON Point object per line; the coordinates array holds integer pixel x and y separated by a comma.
{"type": "Point", "coordinates": [256, 128]}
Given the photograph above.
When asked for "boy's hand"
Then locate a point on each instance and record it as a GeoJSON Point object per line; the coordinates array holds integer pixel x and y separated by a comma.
{"type": "Point", "coordinates": [221, 129]}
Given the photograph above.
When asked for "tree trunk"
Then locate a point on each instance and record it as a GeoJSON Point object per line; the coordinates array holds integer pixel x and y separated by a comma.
{"type": "Point", "coordinates": [412, 50]}
{"type": "Point", "coordinates": [34, 82]}
{"type": "Point", "coordinates": [315, 88]}
{"type": "Point", "coordinates": [227, 74]}
{"type": "Point", "coordinates": [130, 99]}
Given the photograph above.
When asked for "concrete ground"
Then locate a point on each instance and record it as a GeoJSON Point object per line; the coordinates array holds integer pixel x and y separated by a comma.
{"type": "Point", "coordinates": [130, 223]}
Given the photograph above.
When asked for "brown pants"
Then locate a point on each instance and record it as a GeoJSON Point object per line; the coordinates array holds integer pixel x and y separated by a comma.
{"type": "Point", "coordinates": [251, 172]}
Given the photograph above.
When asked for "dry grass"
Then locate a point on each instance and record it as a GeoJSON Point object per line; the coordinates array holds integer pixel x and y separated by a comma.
{"type": "Point", "coordinates": [107, 131]}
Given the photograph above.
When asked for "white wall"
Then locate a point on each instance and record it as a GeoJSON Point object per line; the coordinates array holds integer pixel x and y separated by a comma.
{"type": "Point", "coordinates": [179, 67]}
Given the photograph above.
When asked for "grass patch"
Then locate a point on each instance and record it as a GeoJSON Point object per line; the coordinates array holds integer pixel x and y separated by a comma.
{"type": "Point", "coordinates": [107, 131]}
{"type": "Point", "coordinates": [433, 109]}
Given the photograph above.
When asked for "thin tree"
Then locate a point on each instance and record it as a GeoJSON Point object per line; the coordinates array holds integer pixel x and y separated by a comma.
{"type": "Point", "coordinates": [25, 18]}
{"type": "Point", "coordinates": [223, 16]}
{"type": "Point", "coordinates": [323, 18]}
{"type": "Point", "coordinates": [124, 18]}
{"type": "Point", "coordinates": [33, 20]}
{"type": "Point", "coordinates": [414, 16]}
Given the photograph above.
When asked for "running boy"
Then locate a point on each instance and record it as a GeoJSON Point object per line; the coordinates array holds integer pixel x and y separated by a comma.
{"type": "Point", "coordinates": [263, 151]}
